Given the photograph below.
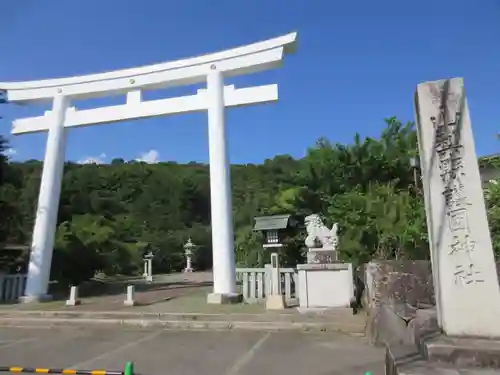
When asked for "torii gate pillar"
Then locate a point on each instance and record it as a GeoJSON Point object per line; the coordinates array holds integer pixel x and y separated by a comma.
{"type": "Point", "coordinates": [42, 244]}
{"type": "Point", "coordinates": [224, 272]}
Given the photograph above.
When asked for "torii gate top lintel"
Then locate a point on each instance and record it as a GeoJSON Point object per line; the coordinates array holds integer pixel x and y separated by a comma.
{"type": "Point", "coordinates": [246, 59]}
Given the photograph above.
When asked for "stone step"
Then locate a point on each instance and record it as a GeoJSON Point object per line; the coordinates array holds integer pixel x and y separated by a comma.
{"type": "Point", "coordinates": [444, 355]}
{"type": "Point", "coordinates": [462, 352]}
{"type": "Point", "coordinates": [327, 316]}
{"type": "Point", "coordinates": [332, 321]}
{"type": "Point", "coordinates": [427, 368]}
{"type": "Point", "coordinates": [197, 324]}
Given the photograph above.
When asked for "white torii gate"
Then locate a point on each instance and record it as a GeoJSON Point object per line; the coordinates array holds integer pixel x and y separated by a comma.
{"type": "Point", "coordinates": [211, 68]}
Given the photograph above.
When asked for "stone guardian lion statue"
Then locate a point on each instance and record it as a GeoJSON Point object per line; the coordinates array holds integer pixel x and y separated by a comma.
{"type": "Point", "coordinates": [318, 235]}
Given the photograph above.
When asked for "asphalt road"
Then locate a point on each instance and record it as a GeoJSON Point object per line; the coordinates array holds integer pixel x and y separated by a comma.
{"type": "Point", "coordinates": [190, 352]}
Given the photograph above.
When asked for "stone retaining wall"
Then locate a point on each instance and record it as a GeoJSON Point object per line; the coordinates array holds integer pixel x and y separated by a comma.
{"type": "Point", "coordinates": [399, 299]}
{"type": "Point", "coordinates": [399, 282]}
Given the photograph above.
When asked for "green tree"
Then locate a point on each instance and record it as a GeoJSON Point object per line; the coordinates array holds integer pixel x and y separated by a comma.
{"type": "Point", "coordinates": [492, 198]}
{"type": "Point", "coordinates": [109, 215]}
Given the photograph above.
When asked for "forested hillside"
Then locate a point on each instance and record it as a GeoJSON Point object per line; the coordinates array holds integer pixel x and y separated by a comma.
{"type": "Point", "coordinates": [110, 214]}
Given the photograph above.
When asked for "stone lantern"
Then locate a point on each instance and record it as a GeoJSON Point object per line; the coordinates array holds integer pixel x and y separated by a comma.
{"type": "Point", "coordinates": [189, 247]}
{"type": "Point", "coordinates": [274, 228]}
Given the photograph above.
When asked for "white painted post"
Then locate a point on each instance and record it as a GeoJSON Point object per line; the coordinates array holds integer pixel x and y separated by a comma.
{"type": "Point", "coordinates": [145, 274]}
{"type": "Point", "coordinates": [224, 268]}
{"type": "Point", "coordinates": [48, 204]}
{"type": "Point", "coordinates": [463, 264]}
{"type": "Point", "coordinates": [130, 300]}
{"type": "Point", "coordinates": [73, 297]}
{"type": "Point", "coordinates": [149, 277]}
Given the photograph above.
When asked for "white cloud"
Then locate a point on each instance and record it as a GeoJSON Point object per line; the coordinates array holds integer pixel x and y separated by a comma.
{"type": "Point", "coordinates": [10, 152]}
{"type": "Point", "coordinates": [150, 157]}
{"type": "Point", "coordinates": [93, 159]}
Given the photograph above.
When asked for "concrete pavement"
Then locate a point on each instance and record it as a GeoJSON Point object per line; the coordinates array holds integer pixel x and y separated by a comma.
{"type": "Point", "coordinates": [158, 352]}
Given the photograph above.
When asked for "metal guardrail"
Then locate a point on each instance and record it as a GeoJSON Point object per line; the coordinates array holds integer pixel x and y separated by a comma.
{"type": "Point", "coordinates": [129, 370]}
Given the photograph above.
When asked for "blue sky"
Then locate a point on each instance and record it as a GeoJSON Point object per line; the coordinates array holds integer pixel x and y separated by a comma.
{"type": "Point", "coordinates": [358, 62]}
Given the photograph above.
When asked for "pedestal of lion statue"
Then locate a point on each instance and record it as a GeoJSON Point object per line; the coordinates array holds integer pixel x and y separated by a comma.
{"type": "Point", "coordinates": [324, 281]}
{"type": "Point", "coordinates": [325, 285]}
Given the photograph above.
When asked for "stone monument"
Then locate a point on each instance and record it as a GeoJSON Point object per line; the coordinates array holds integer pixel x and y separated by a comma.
{"type": "Point", "coordinates": [324, 281]}
{"type": "Point", "coordinates": [463, 264]}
